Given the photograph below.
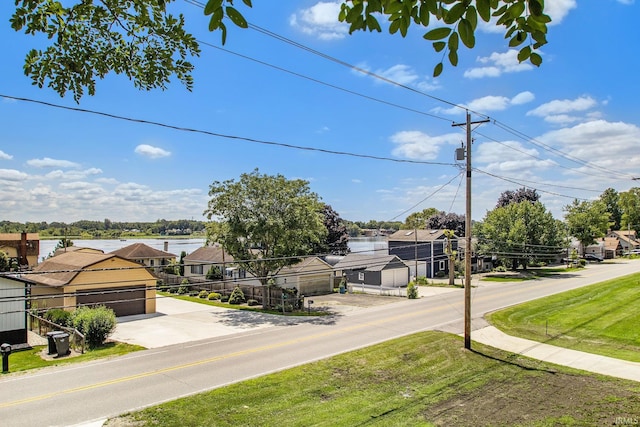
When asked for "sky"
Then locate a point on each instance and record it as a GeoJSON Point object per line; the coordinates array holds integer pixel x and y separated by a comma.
{"type": "Point", "coordinates": [570, 128]}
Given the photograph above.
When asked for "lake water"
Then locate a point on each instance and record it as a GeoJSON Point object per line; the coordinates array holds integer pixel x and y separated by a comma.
{"type": "Point", "coordinates": [361, 245]}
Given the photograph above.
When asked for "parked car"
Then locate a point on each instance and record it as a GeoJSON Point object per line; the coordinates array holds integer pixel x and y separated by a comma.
{"type": "Point", "coordinates": [593, 257]}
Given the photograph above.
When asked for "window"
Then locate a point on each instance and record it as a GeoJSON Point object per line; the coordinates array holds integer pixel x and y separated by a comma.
{"type": "Point", "coordinates": [196, 269]}
{"type": "Point", "coordinates": [361, 275]}
{"type": "Point", "coordinates": [441, 265]}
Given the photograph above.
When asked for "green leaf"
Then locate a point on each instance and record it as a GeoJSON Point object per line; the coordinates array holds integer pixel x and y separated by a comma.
{"type": "Point", "coordinates": [236, 17]}
{"type": "Point", "coordinates": [373, 23]}
{"type": "Point", "coordinates": [535, 59]}
{"type": "Point", "coordinates": [438, 46]}
{"type": "Point", "coordinates": [394, 27]}
{"type": "Point", "coordinates": [211, 6]}
{"type": "Point", "coordinates": [535, 7]}
{"type": "Point", "coordinates": [466, 33]}
{"type": "Point", "coordinates": [437, 33]}
{"type": "Point", "coordinates": [472, 16]}
{"type": "Point", "coordinates": [424, 15]}
{"type": "Point", "coordinates": [453, 41]}
{"type": "Point", "coordinates": [484, 9]}
{"type": "Point", "coordinates": [524, 53]}
{"type": "Point", "coordinates": [404, 26]}
{"type": "Point", "coordinates": [453, 57]}
{"type": "Point", "coordinates": [438, 69]}
{"type": "Point", "coordinates": [454, 14]}
{"type": "Point", "coordinates": [516, 10]}
{"type": "Point", "coordinates": [518, 39]}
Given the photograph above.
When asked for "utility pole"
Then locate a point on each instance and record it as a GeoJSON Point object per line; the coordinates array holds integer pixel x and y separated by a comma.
{"type": "Point", "coordinates": [467, 230]}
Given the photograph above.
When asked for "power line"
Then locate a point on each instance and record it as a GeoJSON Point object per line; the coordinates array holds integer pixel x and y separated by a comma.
{"type": "Point", "coordinates": [220, 135]}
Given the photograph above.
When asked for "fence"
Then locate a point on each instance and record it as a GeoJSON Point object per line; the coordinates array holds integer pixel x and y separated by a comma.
{"type": "Point", "coordinates": [76, 339]}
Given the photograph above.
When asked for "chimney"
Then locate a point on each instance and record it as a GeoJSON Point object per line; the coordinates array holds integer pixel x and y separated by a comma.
{"type": "Point", "coordinates": [166, 246]}
{"type": "Point", "coordinates": [22, 253]}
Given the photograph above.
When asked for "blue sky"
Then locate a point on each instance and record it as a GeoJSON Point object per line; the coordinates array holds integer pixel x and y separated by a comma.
{"type": "Point", "coordinates": [570, 128]}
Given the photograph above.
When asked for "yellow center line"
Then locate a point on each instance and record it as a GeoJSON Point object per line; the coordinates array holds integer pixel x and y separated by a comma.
{"type": "Point", "coordinates": [221, 357]}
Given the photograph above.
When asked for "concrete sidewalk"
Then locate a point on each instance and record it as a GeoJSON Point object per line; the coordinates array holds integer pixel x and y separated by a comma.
{"type": "Point", "coordinates": [493, 337]}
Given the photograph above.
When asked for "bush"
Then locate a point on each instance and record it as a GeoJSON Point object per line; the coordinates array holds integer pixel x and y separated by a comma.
{"type": "Point", "coordinates": [161, 287]}
{"type": "Point", "coordinates": [252, 302]}
{"type": "Point", "coordinates": [213, 296]}
{"type": "Point", "coordinates": [441, 274]}
{"type": "Point", "coordinates": [412, 290]}
{"type": "Point", "coordinates": [224, 298]}
{"type": "Point", "coordinates": [237, 296]}
{"type": "Point", "coordinates": [422, 280]}
{"type": "Point", "coordinates": [58, 316]}
{"type": "Point", "coordinates": [203, 294]}
{"type": "Point", "coordinates": [500, 269]}
{"type": "Point", "coordinates": [96, 324]}
{"type": "Point", "coordinates": [184, 287]}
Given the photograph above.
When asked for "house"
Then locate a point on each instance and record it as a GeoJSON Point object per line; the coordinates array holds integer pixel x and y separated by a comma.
{"type": "Point", "coordinates": [597, 249]}
{"type": "Point", "coordinates": [80, 278]}
{"type": "Point", "coordinates": [612, 247]}
{"type": "Point", "coordinates": [479, 263]}
{"type": "Point", "coordinates": [628, 239]}
{"type": "Point", "coordinates": [425, 247]}
{"type": "Point", "coordinates": [145, 255]}
{"type": "Point", "coordinates": [311, 276]}
{"type": "Point", "coordinates": [374, 270]}
{"type": "Point", "coordinates": [76, 248]}
{"type": "Point", "coordinates": [13, 310]}
{"type": "Point", "coordinates": [23, 247]}
{"type": "Point", "coordinates": [198, 263]}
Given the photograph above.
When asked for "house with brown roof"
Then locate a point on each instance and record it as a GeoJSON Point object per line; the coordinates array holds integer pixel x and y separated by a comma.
{"type": "Point", "coordinates": [628, 239]}
{"type": "Point", "coordinates": [198, 263]}
{"type": "Point", "coordinates": [145, 255]}
{"type": "Point", "coordinates": [76, 278]}
{"type": "Point", "coordinates": [23, 247]}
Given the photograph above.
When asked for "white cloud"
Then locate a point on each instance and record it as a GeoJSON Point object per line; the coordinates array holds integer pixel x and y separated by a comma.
{"type": "Point", "coordinates": [321, 21]}
{"type": "Point", "coordinates": [523, 98]}
{"type": "Point", "coordinates": [71, 175]}
{"type": "Point", "coordinates": [489, 103]}
{"type": "Point", "coordinates": [608, 144]}
{"type": "Point", "coordinates": [559, 111]}
{"type": "Point", "coordinates": [402, 74]}
{"type": "Point", "coordinates": [510, 156]}
{"type": "Point", "coordinates": [52, 163]}
{"type": "Point", "coordinates": [151, 151]}
{"type": "Point", "coordinates": [12, 175]}
{"type": "Point", "coordinates": [420, 146]}
{"type": "Point", "coordinates": [496, 64]}
{"type": "Point", "coordinates": [558, 10]}
{"type": "Point", "coordinates": [5, 156]}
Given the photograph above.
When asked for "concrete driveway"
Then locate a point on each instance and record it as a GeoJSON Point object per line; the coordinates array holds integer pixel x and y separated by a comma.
{"type": "Point", "coordinates": [177, 321]}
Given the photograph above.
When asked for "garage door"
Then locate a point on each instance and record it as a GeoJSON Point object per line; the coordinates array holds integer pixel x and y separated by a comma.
{"type": "Point", "coordinates": [124, 301]}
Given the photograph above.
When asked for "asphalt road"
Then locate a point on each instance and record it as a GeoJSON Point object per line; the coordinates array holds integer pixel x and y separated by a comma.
{"type": "Point", "coordinates": [79, 394]}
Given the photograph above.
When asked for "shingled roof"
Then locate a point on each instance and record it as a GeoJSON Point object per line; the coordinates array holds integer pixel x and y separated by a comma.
{"type": "Point", "coordinates": [209, 254]}
{"type": "Point", "coordinates": [141, 251]}
{"type": "Point", "coordinates": [62, 269]}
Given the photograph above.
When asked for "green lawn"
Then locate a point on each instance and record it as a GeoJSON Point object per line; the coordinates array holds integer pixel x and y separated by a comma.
{"type": "Point", "coordinates": [420, 380]}
{"type": "Point", "coordinates": [603, 318]}
{"type": "Point", "coordinates": [30, 359]}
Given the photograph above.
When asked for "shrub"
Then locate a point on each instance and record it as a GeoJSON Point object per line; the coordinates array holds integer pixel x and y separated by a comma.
{"type": "Point", "coordinates": [224, 298]}
{"type": "Point", "coordinates": [441, 274]}
{"type": "Point", "coordinates": [96, 324]}
{"type": "Point", "coordinates": [237, 296]}
{"type": "Point", "coordinates": [203, 294]}
{"type": "Point", "coordinates": [500, 269]}
{"type": "Point", "coordinates": [161, 286]}
{"type": "Point", "coordinates": [184, 287]}
{"type": "Point", "coordinates": [213, 295]}
{"type": "Point", "coordinates": [412, 290]}
{"type": "Point", "coordinates": [252, 302]}
{"type": "Point", "coordinates": [58, 316]}
{"type": "Point", "coordinates": [422, 280]}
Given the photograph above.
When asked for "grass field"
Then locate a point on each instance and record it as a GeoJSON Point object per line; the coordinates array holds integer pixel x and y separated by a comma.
{"type": "Point", "coordinates": [603, 318]}
{"type": "Point", "coordinates": [420, 380]}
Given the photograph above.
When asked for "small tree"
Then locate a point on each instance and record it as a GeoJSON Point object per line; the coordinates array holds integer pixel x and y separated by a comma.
{"type": "Point", "coordinates": [412, 290]}
{"type": "Point", "coordinates": [237, 296]}
{"type": "Point", "coordinates": [96, 324]}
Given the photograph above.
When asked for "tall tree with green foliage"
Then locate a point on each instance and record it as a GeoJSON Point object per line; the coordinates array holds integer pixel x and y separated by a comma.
{"type": "Point", "coordinates": [520, 234]}
{"type": "Point", "coordinates": [337, 237]}
{"type": "Point", "coordinates": [630, 206]}
{"type": "Point", "coordinates": [611, 200]}
{"type": "Point", "coordinates": [418, 220]}
{"type": "Point", "coordinates": [517, 196]}
{"type": "Point", "coordinates": [587, 221]}
{"type": "Point", "coordinates": [142, 40]}
{"type": "Point", "coordinates": [265, 221]}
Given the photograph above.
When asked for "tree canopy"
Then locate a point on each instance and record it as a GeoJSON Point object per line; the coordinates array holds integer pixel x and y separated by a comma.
{"type": "Point", "coordinates": [337, 237]}
{"type": "Point", "coordinates": [520, 233]}
{"type": "Point", "coordinates": [517, 196]}
{"type": "Point", "coordinates": [265, 221]}
{"type": "Point", "coordinates": [630, 205]}
{"type": "Point", "coordinates": [587, 220]}
{"type": "Point", "coordinates": [142, 40]}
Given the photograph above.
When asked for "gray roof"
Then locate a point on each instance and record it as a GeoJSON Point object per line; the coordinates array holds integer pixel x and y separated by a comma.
{"type": "Point", "coordinates": [367, 262]}
{"type": "Point", "coordinates": [422, 235]}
